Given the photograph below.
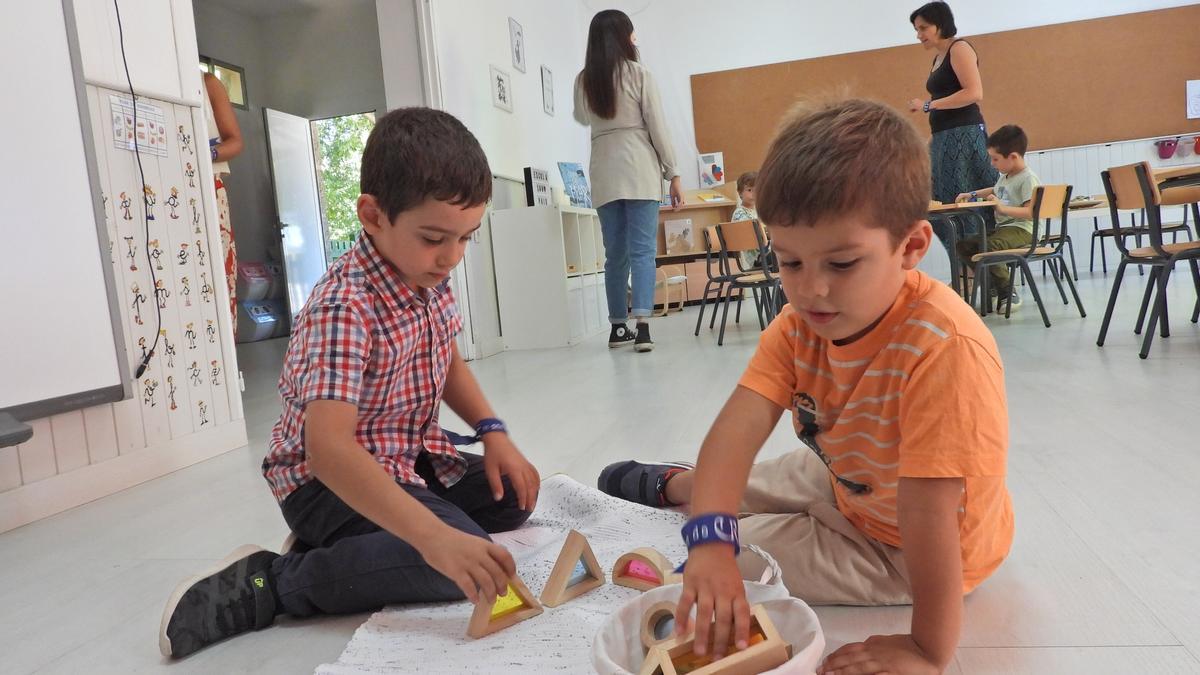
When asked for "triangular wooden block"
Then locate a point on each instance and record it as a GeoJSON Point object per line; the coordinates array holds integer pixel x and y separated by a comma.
{"type": "Point", "coordinates": [767, 650]}
{"type": "Point", "coordinates": [516, 605]}
{"type": "Point", "coordinates": [643, 569]}
{"type": "Point", "coordinates": [575, 572]}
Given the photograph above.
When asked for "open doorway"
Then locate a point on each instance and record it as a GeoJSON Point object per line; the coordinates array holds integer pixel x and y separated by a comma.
{"type": "Point", "coordinates": [338, 144]}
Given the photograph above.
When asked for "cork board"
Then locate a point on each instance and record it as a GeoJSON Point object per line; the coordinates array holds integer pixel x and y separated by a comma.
{"type": "Point", "coordinates": [1095, 81]}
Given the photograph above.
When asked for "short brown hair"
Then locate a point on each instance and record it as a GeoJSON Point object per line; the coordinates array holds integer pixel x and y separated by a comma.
{"type": "Point", "coordinates": [842, 157]}
{"type": "Point", "coordinates": [746, 180]}
{"type": "Point", "coordinates": [414, 154]}
{"type": "Point", "coordinates": [1008, 139]}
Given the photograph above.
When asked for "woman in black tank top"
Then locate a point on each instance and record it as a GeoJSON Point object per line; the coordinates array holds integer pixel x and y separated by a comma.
{"type": "Point", "coordinates": [958, 149]}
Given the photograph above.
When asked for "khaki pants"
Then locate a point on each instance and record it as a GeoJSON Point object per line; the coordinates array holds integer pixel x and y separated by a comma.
{"type": "Point", "coordinates": [1004, 237]}
{"type": "Point", "coordinates": [789, 511]}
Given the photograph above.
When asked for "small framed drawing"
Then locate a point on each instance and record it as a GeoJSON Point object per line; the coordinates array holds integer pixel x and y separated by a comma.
{"type": "Point", "coordinates": [501, 89]}
{"type": "Point", "coordinates": [516, 38]}
{"type": "Point", "coordinates": [547, 91]}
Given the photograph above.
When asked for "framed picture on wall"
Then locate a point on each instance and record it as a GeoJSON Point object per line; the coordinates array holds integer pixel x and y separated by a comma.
{"type": "Point", "coordinates": [516, 38]}
{"type": "Point", "coordinates": [501, 89]}
{"type": "Point", "coordinates": [547, 91]}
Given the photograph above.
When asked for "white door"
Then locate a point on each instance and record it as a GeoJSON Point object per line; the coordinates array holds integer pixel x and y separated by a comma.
{"type": "Point", "coordinates": [294, 175]}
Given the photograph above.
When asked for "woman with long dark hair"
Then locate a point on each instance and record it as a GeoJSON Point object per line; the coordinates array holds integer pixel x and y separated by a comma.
{"type": "Point", "coordinates": [631, 155]}
{"type": "Point", "coordinates": [958, 149]}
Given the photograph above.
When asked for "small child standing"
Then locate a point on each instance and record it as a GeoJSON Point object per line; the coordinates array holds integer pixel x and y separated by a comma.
{"type": "Point", "coordinates": [1014, 225]}
{"type": "Point", "coordinates": [746, 211]}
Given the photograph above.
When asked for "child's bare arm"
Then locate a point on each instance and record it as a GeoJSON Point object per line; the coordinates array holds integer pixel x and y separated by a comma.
{"type": "Point", "coordinates": [981, 193]}
{"type": "Point", "coordinates": [1022, 212]}
{"type": "Point", "coordinates": [928, 514]}
{"type": "Point", "coordinates": [349, 470]}
{"type": "Point", "coordinates": [711, 580]}
{"type": "Point", "coordinates": [500, 456]}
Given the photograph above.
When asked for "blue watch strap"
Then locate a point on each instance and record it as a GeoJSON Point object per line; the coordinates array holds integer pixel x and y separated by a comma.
{"type": "Point", "coordinates": [487, 425]}
{"type": "Point", "coordinates": [710, 528]}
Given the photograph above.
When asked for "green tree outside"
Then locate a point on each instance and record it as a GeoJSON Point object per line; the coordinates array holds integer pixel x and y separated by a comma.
{"type": "Point", "coordinates": [341, 141]}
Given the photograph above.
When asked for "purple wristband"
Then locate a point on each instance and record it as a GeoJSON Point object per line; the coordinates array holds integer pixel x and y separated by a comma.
{"type": "Point", "coordinates": [712, 528]}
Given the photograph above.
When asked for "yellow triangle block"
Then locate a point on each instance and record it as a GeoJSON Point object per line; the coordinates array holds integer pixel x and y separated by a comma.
{"type": "Point", "coordinates": [516, 605]}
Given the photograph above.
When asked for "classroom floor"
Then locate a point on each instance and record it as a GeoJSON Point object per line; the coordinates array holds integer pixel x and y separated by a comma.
{"type": "Point", "coordinates": [1104, 576]}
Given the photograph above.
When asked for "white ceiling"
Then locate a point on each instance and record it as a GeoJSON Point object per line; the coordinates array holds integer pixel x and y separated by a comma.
{"type": "Point", "coordinates": [268, 8]}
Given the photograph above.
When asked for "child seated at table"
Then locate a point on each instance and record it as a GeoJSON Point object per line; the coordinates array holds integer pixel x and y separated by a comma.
{"type": "Point", "coordinates": [1014, 225]}
{"type": "Point", "coordinates": [746, 211]}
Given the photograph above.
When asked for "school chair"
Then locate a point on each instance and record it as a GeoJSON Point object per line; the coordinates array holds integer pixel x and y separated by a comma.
{"type": "Point", "coordinates": [1133, 230]}
{"type": "Point", "coordinates": [1054, 239]}
{"type": "Point", "coordinates": [1049, 201]}
{"type": "Point", "coordinates": [735, 238]}
{"type": "Point", "coordinates": [670, 277]}
{"type": "Point", "coordinates": [715, 268]}
{"type": "Point", "coordinates": [1132, 187]}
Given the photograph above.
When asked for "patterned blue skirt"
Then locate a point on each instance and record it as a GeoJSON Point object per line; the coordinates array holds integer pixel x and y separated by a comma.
{"type": "Point", "coordinates": [960, 164]}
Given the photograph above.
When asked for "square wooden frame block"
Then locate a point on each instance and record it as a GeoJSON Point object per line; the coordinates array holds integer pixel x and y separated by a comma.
{"type": "Point", "coordinates": [772, 652]}
{"type": "Point", "coordinates": [576, 548]}
{"type": "Point", "coordinates": [481, 623]}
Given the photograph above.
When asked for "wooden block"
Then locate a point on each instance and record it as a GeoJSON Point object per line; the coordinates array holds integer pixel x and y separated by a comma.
{"type": "Point", "coordinates": [767, 650]}
{"type": "Point", "coordinates": [643, 569]}
{"type": "Point", "coordinates": [575, 572]}
{"type": "Point", "coordinates": [516, 605]}
{"type": "Point", "coordinates": [658, 623]}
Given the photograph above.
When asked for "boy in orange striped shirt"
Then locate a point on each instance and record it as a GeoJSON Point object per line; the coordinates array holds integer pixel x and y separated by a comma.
{"type": "Point", "coordinates": [894, 385]}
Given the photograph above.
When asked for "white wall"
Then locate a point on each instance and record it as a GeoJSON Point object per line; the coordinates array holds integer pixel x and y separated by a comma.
{"type": "Point", "coordinates": [324, 62]}
{"type": "Point", "coordinates": [527, 136]}
{"type": "Point", "coordinates": [678, 40]}
{"type": "Point", "coordinates": [403, 75]}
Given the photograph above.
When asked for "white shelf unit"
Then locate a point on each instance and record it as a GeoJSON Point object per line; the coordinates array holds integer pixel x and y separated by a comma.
{"type": "Point", "coordinates": [549, 275]}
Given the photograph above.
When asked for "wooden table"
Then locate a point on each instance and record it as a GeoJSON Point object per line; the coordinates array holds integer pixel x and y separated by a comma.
{"type": "Point", "coordinates": [1177, 176]}
{"type": "Point", "coordinates": [951, 213]}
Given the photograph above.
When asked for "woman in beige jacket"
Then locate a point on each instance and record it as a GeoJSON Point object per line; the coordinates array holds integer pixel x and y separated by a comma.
{"type": "Point", "coordinates": [631, 156]}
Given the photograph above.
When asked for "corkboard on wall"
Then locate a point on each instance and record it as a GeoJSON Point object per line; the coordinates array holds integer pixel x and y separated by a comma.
{"type": "Point", "coordinates": [1095, 81]}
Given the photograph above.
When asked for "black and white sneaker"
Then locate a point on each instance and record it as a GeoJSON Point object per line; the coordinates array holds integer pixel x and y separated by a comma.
{"type": "Point", "coordinates": [232, 597]}
{"type": "Point", "coordinates": [638, 482]}
{"type": "Point", "coordinates": [620, 335]}
{"type": "Point", "coordinates": [643, 343]}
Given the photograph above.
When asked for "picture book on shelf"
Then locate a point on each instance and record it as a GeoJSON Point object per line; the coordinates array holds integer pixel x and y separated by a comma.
{"type": "Point", "coordinates": [575, 184]}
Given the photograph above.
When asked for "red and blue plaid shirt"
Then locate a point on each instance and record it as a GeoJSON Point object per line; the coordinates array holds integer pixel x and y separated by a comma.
{"type": "Point", "coordinates": [366, 338]}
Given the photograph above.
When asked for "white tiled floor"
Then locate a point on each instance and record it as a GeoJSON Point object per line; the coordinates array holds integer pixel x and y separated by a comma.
{"type": "Point", "coordinates": [1104, 576]}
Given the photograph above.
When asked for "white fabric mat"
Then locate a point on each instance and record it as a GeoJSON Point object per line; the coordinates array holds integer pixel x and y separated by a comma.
{"type": "Point", "coordinates": [432, 638]}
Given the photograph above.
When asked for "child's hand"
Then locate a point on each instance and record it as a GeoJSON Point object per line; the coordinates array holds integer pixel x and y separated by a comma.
{"type": "Point", "coordinates": [480, 568]}
{"type": "Point", "coordinates": [895, 654]}
{"type": "Point", "coordinates": [501, 458]}
{"type": "Point", "coordinates": [713, 584]}
{"type": "Point", "coordinates": [962, 197]}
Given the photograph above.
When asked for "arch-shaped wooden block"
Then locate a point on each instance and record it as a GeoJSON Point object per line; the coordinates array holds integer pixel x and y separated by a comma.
{"type": "Point", "coordinates": [643, 569]}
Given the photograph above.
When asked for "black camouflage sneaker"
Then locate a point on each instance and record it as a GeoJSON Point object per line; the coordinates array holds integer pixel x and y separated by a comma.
{"type": "Point", "coordinates": [234, 596]}
{"type": "Point", "coordinates": [643, 343]}
{"type": "Point", "coordinates": [620, 335]}
{"type": "Point", "coordinates": [640, 483]}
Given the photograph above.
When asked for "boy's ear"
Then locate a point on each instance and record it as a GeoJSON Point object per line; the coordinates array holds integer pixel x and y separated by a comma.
{"type": "Point", "coordinates": [371, 214]}
{"type": "Point", "coordinates": [916, 244]}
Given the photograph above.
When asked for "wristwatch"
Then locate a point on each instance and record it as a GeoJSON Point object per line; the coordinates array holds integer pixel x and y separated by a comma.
{"type": "Point", "coordinates": [213, 149]}
{"type": "Point", "coordinates": [925, 108]}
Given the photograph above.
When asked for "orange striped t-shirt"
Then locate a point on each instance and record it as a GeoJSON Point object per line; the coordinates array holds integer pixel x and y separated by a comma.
{"type": "Point", "coordinates": [920, 396]}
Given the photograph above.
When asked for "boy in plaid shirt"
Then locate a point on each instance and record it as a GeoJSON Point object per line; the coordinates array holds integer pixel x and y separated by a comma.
{"type": "Point", "coordinates": [382, 506]}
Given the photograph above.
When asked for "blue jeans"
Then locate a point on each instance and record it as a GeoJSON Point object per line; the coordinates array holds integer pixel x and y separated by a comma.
{"type": "Point", "coordinates": [630, 229]}
{"type": "Point", "coordinates": [354, 566]}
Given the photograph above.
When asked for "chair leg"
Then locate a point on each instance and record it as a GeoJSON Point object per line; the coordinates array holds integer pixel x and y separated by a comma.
{"type": "Point", "coordinates": [721, 291]}
{"type": "Point", "coordinates": [1037, 297]}
{"type": "Point", "coordinates": [724, 314]}
{"type": "Point", "coordinates": [1160, 306]}
{"type": "Point", "coordinates": [975, 292]}
{"type": "Point", "coordinates": [1146, 297]}
{"type": "Point", "coordinates": [1054, 272]}
{"type": "Point", "coordinates": [704, 301]}
{"type": "Point", "coordinates": [1075, 294]}
{"type": "Point", "coordinates": [1196, 283]}
{"type": "Point", "coordinates": [1071, 250]}
{"type": "Point", "coordinates": [1112, 302]}
{"type": "Point", "coordinates": [737, 317]}
{"type": "Point", "coordinates": [758, 308]}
